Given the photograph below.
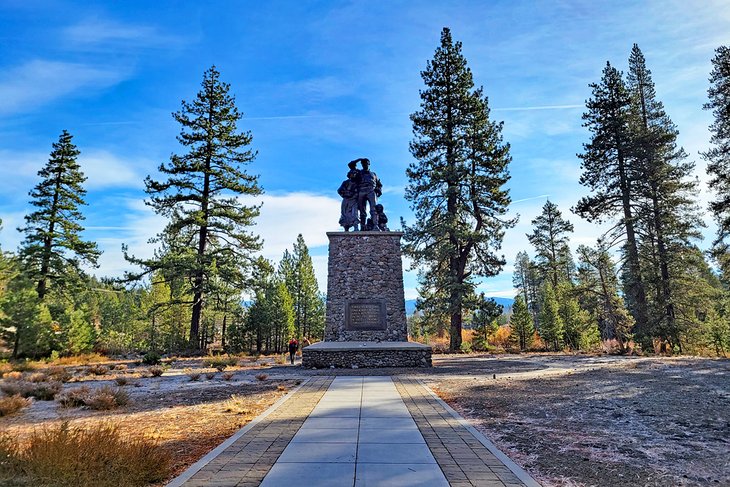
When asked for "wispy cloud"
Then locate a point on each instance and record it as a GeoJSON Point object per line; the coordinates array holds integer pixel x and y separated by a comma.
{"type": "Point", "coordinates": [38, 82]}
{"type": "Point", "coordinates": [103, 33]}
{"type": "Point", "coordinates": [531, 198]}
{"type": "Point", "coordinates": [105, 170]}
{"type": "Point", "coordinates": [544, 107]}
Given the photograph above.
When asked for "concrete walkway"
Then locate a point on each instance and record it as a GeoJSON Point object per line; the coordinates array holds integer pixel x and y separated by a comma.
{"type": "Point", "coordinates": [357, 431]}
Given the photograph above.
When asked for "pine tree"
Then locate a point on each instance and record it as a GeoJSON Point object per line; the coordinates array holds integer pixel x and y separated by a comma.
{"type": "Point", "coordinates": [667, 217]}
{"type": "Point", "coordinates": [527, 280]}
{"type": "Point", "coordinates": [551, 323]}
{"type": "Point", "coordinates": [297, 271]}
{"type": "Point", "coordinates": [718, 157]}
{"type": "Point", "coordinates": [53, 250]}
{"type": "Point", "coordinates": [598, 291]}
{"type": "Point", "coordinates": [200, 197]}
{"type": "Point", "coordinates": [608, 170]}
{"type": "Point", "coordinates": [484, 320]}
{"type": "Point", "coordinates": [521, 324]}
{"type": "Point", "coordinates": [550, 237]}
{"type": "Point", "coordinates": [455, 185]}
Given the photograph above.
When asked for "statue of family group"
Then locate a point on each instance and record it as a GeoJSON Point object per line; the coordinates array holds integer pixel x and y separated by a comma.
{"type": "Point", "coordinates": [362, 187]}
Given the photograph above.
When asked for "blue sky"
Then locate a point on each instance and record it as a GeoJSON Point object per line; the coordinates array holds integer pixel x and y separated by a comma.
{"type": "Point", "coordinates": [321, 83]}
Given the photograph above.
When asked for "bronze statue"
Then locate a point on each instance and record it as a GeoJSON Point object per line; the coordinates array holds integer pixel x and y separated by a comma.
{"type": "Point", "coordinates": [368, 189]}
{"type": "Point", "coordinates": [348, 192]}
{"type": "Point", "coordinates": [382, 220]}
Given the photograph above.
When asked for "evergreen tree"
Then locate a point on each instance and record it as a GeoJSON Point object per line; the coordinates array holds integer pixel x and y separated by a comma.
{"type": "Point", "coordinates": [550, 237]}
{"type": "Point", "coordinates": [297, 271]}
{"type": "Point", "coordinates": [521, 324]}
{"type": "Point", "coordinates": [667, 214]}
{"type": "Point", "coordinates": [53, 250]}
{"type": "Point", "coordinates": [718, 157]}
{"type": "Point", "coordinates": [455, 185]}
{"type": "Point", "coordinates": [608, 170]}
{"type": "Point", "coordinates": [598, 291]}
{"type": "Point", "coordinates": [580, 331]}
{"type": "Point", "coordinates": [484, 320]}
{"type": "Point", "coordinates": [208, 223]}
{"type": "Point", "coordinates": [527, 280]}
{"type": "Point", "coordinates": [551, 323]}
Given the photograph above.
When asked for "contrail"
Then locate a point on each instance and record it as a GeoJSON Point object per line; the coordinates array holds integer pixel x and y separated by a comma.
{"type": "Point", "coordinates": [531, 198]}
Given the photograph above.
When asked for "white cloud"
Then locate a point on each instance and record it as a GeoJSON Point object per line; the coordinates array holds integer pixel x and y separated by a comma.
{"type": "Point", "coordinates": [105, 169]}
{"type": "Point", "coordinates": [101, 32]}
{"type": "Point", "coordinates": [35, 83]}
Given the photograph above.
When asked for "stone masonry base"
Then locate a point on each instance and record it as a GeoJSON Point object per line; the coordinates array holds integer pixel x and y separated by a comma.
{"type": "Point", "coordinates": [366, 355]}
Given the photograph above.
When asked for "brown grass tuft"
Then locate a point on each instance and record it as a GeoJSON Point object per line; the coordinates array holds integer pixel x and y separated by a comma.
{"type": "Point", "coordinates": [282, 388]}
{"type": "Point", "coordinates": [210, 375]}
{"type": "Point", "coordinates": [43, 391]}
{"type": "Point", "coordinates": [67, 456]}
{"type": "Point", "coordinates": [193, 374]}
{"type": "Point", "coordinates": [227, 375]}
{"type": "Point", "coordinates": [14, 375]}
{"type": "Point", "coordinates": [262, 377]}
{"type": "Point", "coordinates": [59, 373]}
{"type": "Point", "coordinates": [237, 405]}
{"type": "Point", "coordinates": [37, 377]}
{"type": "Point", "coordinates": [98, 369]}
{"type": "Point", "coordinates": [102, 399]}
{"type": "Point", "coordinates": [156, 370]}
{"type": "Point", "coordinates": [122, 380]}
{"type": "Point", "coordinates": [13, 404]}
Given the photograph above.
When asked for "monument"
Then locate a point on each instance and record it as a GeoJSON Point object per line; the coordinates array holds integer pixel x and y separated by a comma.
{"type": "Point", "coordinates": [365, 322]}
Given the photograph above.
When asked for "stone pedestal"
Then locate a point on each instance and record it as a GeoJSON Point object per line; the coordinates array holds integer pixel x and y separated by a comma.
{"type": "Point", "coordinates": [366, 313]}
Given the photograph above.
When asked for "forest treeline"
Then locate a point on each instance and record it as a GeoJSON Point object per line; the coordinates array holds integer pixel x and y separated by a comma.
{"type": "Point", "coordinates": [644, 285]}
{"type": "Point", "coordinates": [190, 295]}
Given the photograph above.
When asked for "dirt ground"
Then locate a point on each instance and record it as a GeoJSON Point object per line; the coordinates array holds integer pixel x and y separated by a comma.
{"type": "Point", "coordinates": [605, 421]}
{"type": "Point", "coordinates": [189, 417]}
{"type": "Point", "coordinates": [569, 420]}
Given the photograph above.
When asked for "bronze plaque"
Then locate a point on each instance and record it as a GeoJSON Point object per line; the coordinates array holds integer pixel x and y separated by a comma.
{"type": "Point", "coordinates": [365, 315]}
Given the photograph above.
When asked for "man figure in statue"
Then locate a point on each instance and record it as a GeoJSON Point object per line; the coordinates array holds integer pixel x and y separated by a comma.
{"type": "Point", "coordinates": [368, 188]}
{"type": "Point", "coordinates": [348, 192]}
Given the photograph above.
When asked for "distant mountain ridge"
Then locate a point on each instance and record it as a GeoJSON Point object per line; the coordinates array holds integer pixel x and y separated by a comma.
{"type": "Point", "coordinates": [411, 304]}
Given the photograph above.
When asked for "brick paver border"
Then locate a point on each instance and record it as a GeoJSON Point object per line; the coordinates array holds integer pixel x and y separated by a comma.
{"type": "Point", "coordinates": [465, 456]}
{"type": "Point", "coordinates": [245, 458]}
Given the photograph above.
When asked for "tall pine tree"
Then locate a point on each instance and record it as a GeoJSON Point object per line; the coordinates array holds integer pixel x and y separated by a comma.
{"type": "Point", "coordinates": [609, 172]}
{"type": "Point", "coordinates": [456, 184]}
{"type": "Point", "coordinates": [208, 223]}
{"type": "Point", "coordinates": [521, 324]}
{"type": "Point", "coordinates": [718, 157]}
{"type": "Point", "coordinates": [550, 237]}
{"type": "Point", "coordinates": [53, 250]}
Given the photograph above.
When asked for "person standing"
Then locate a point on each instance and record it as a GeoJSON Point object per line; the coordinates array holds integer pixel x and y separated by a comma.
{"type": "Point", "coordinates": [368, 189]}
{"type": "Point", "coordinates": [293, 346]}
{"type": "Point", "coordinates": [348, 192]}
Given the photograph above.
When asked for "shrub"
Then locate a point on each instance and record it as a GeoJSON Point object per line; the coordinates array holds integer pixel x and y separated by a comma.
{"type": "Point", "coordinates": [220, 362]}
{"type": "Point", "coordinates": [23, 366]}
{"type": "Point", "coordinates": [13, 404]}
{"type": "Point", "coordinates": [151, 358]}
{"type": "Point", "coordinates": [262, 377]}
{"type": "Point", "coordinates": [83, 359]}
{"type": "Point", "coordinates": [107, 397]}
{"type": "Point", "coordinates": [43, 391]}
{"type": "Point", "coordinates": [67, 456]}
{"type": "Point", "coordinates": [156, 370]}
{"type": "Point", "coordinates": [122, 380]}
{"type": "Point", "coordinates": [145, 374]}
{"type": "Point", "coordinates": [5, 368]}
{"type": "Point", "coordinates": [120, 367]}
{"type": "Point", "coordinates": [98, 369]}
{"type": "Point", "coordinates": [14, 375]}
{"type": "Point", "coordinates": [194, 375]}
{"type": "Point", "coordinates": [60, 374]}
{"type": "Point", "coordinates": [465, 347]}
{"type": "Point", "coordinates": [37, 377]}
{"type": "Point", "coordinates": [103, 398]}
{"type": "Point", "coordinates": [73, 398]}
{"type": "Point", "coordinates": [210, 375]}
{"type": "Point", "coordinates": [227, 375]}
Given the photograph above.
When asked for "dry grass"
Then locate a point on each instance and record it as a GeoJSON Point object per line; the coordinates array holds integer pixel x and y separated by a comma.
{"type": "Point", "coordinates": [98, 369]}
{"type": "Point", "coordinates": [14, 375]}
{"type": "Point", "coordinates": [227, 375]}
{"type": "Point", "coordinates": [237, 405]}
{"type": "Point", "coordinates": [59, 374]}
{"type": "Point", "coordinates": [281, 359]}
{"type": "Point", "coordinates": [100, 456]}
{"type": "Point", "coordinates": [192, 374]}
{"type": "Point", "coordinates": [43, 391]}
{"type": "Point", "coordinates": [5, 367]}
{"type": "Point", "coordinates": [210, 375]}
{"type": "Point", "coordinates": [84, 359]}
{"type": "Point", "coordinates": [282, 388]}
{"type": "Point", "coordinates": [121, 380]}
{"type": "Point", "coordinates": [156, 370]}
{"type": "Point", "coordinates": [13, 404]}
{"type": "Point", "coordinates": [102, 399]}
{"type": "Point", "coordinates": [262, 377]}
{"type": "Point", "coordinates": [37, 377]}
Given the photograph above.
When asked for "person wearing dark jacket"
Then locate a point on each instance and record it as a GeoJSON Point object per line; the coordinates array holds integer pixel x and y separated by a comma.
{"type": "Point", "coordinates": [293, 346]}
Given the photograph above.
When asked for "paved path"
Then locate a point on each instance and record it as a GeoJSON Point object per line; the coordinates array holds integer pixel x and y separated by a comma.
{"type": "Point", "coordinates": [357, 431]}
